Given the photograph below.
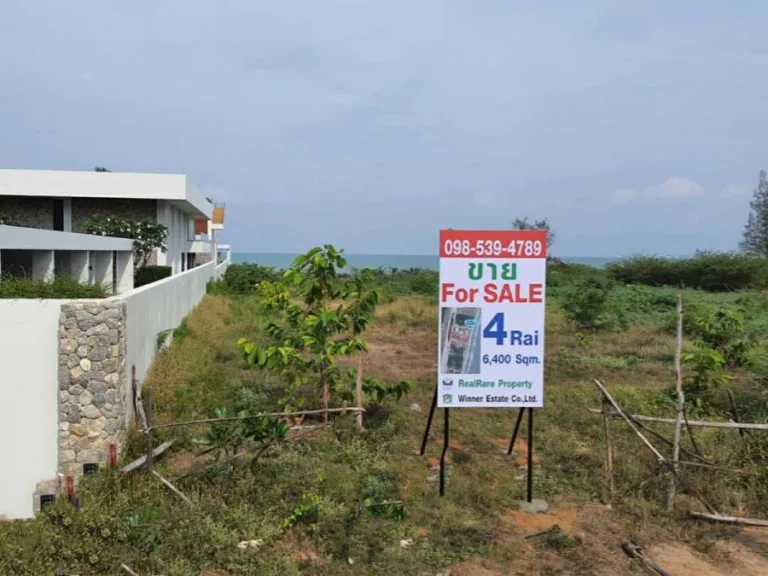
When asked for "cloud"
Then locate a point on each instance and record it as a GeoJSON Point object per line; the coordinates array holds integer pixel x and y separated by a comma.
{"type": "Point", "coordinates": [671, 188]}
{"type": "Point", "coordinates": [675, 188]}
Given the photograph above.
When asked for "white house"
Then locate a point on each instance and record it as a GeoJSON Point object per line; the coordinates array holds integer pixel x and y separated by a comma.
{"type": "Point", "coordinates": [69, 366]}
{"type": "Point", "coordinates": [64, 200]}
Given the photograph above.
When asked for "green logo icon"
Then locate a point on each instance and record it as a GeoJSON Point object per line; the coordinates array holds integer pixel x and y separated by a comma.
{"type": "Point", "coordinates": [447, 398]}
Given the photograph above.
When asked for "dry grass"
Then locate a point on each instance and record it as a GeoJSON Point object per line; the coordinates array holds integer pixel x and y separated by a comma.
{"type": "Point", "coordinates": [402, 341]}
{"type": "Point", "coordinates": [637, 365]}
{"type": "Point", "coordinates": [484, 485]}
{"type": "Point", "coordinates": [171, 370]}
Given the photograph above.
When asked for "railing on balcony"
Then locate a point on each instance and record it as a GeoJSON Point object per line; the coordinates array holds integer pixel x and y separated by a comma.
{"type": "Point", "coordinates": [218, 213]}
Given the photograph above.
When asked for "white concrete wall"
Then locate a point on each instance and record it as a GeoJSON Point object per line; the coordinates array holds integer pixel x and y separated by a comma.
{"type": "Point", "coordinates": [179, 239]}
{"type": "Point", "coordinates": [157, 307]}
{"type": "Point", "coordinates": [29, 362]}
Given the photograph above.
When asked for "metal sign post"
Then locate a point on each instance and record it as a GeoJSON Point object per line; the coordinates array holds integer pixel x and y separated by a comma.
{"type": "Point", "coordinates": [491, 328]}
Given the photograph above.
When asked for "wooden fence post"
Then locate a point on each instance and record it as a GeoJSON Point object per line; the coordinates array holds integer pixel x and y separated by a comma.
{"type": "Point", "coordinates": [608, 485]}
{"type": "Point", "coordinates": [680, 406]}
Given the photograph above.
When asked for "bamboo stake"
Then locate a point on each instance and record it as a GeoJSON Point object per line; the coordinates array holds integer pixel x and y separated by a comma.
{"type": "Point", "coordinates": [270, 415]}
{"type": "Point", "coordinates": [731, 519]}
{"type": "Point", "coordinates": [173, 488]}
{"type": "Point", "coordinates": [693, 438]}
{"type": "Point", "coordinates": [694, 423]}
{"type": "Point", "coordinates": [668, 442]}
{"type": "Point", "coordinates": [620, 412]}
{"type": "Point", "coordinates": [722, 468]}
{"type": "Point", "coordinates": [680, 407]}
{"type": "Point", "coordinates": [359, 392]}
{"type": "Point", "coordinates": [128, 571]}
{"type": "Point", "coordinates": [608, 485]}
{"type": "Point", "coordinates": [650, 446]}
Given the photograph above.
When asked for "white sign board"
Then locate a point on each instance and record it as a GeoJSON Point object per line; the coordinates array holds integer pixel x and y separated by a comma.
{"type": "Point", "coordinates": [491, 342]}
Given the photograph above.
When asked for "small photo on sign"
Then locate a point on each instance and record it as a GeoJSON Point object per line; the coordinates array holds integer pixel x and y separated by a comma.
{"type": "Point", "coordinates": [460, 340]}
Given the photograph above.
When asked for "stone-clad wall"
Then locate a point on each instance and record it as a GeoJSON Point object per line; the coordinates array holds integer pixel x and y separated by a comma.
{"type": "Point", "coordinates": [92, 379]}
{"type": "Point", "coordinates": [28, 211]}
{"type": "Point", "coordinates": [131, 209]}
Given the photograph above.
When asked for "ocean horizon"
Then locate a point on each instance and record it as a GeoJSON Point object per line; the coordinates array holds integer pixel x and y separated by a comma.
{"type": "Point", "coordinates": [400, 261]}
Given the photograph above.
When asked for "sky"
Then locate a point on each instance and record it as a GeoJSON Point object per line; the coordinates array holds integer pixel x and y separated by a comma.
{"type": "Point", "coordinates": [634, 126]}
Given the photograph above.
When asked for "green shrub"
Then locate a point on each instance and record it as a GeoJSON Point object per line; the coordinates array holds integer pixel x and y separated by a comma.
{"type": "Point", "coordinates": [722, 329]}
{"type": "Point", "coordinates": [711, 271]}
{"type": "Point", "coordinates": [395, 282]}
{"type": "Point", "coordinates": [243, 278]}
{"type": "Point", "coordinates": [61, 287]}
{"type": "Point", "coordinates": [586, 302]}
{"type": "Point", "coordinates": [150, 274]}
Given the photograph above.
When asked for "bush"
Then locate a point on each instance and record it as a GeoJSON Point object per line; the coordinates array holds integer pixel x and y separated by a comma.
{"type": "Point", "coordinates": [62, 287]}
{"type": "Point", "coordinates": [712, 271]}
{"type": "Point", "coordinates": [150, 274]}
{"type": "Point", "coordinates": [586, 302]}
{"type": "Point", "coordinates": [243, 278]}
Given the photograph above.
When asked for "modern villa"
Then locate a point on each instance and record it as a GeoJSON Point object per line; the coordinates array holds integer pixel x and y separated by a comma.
{"type": "Point", "coordinates": [71, 367]}
{"type": "Point", "coordinates": [62, 202]}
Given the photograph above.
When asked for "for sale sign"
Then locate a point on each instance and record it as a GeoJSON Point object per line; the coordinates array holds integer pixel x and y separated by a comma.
{"type": "Point", "coordinates": [491, 345]}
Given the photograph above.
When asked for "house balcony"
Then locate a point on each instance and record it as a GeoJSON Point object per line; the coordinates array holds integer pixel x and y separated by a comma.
{"type": "Point", "coordinates": [86, 258]}
{"type": "Point", "coordinates": [217, 221]}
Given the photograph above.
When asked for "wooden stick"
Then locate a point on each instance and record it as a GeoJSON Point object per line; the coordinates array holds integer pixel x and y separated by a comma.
{"type": "Point", "coordinates": [634, 551]}
{"type": "Point", "coordinates": [680, 407]}
{"type": "Point", "coordinates": [730, 519]}
{"type": "Point", "coordinates": [695, 423]}
{"type": "Point", "coordinates": [207, 467]}
{"type": "Point", "coordinates": [608, 485]}
{"type": "Point", "coordinates": [234, 418]}
{"type": "Point", "coordinates": [553, 528]}
{"type": "Point", "coordinates": [127, 570]}
{"type": "Point", "coordinates": [173, 488]}
{"type": "Point", "coordinates": [148, 432]}
{"type": "Point", "coordinates": [668, 442]}
{"type": "Point", "coordinates": [140, 462]}
{"type": "Point", "coordinates": [713, 467]}
{"type": "Point", "coordinates": [620, 412]}
{"type": "Point", "coordinates": [692, 437]}
{"type": "Point", "coordinates": [735, 411]}
{"type": "Point", "coordinates": [650, 446]}
{"type": "Point", "coordinates": [359, 393]}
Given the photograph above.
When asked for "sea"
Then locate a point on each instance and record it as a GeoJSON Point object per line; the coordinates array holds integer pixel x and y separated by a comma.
{"type": "Point", "coordinates": [400, 261]}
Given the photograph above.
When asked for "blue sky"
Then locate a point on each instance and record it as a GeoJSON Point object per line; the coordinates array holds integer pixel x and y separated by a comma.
{"type": "Point", "coordinates": [371, 124]}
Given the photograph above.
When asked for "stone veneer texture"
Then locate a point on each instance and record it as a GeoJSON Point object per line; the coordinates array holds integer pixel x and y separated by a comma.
{"type": "Point", "coordinates": [92, 346]}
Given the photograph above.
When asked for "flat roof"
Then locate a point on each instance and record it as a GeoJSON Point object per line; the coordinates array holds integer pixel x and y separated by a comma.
{"type": "Point", "coordinates": [175, 188]}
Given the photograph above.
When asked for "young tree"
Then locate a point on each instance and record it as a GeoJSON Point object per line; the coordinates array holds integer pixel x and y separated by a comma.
{"type": "Point", "coordinates": [321, 317]}
{"type": "Point", "coordinates": [524, 224]}
{"type": "Point", "coordinates": [756, 229]}
{"type": "Point", "coordinates": [147, 236]}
